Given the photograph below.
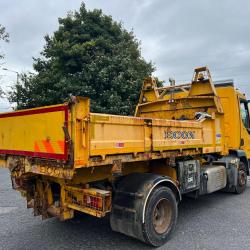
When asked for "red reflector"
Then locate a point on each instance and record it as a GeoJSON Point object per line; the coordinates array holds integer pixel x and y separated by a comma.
{"type": "Point", "coordinates": [88, 199]}
{"type": "Point", "coordinates": [119, 145]}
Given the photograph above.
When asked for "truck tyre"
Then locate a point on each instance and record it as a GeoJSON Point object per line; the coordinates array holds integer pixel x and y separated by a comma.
{"type": "Point", "coordinates": [242, 179]}
{"type": "Point", "coordinates": [160, 216]}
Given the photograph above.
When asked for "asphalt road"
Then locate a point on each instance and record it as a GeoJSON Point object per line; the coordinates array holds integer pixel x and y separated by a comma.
{"type": "Point", "coordinates": [216, 221]}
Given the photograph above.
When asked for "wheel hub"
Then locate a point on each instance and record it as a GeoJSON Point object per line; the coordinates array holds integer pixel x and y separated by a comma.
{"type": "Point", "coordinates": [162, 214]}
{"type": "Point", "coordinates": [242, 177]}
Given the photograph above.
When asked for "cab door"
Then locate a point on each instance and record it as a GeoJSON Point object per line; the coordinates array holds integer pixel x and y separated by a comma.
{"type": "Point", "coordinates": [245, 127]}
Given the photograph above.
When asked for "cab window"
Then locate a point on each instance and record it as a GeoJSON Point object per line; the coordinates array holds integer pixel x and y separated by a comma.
{"type": "Point", "coordinates": [244, 113]}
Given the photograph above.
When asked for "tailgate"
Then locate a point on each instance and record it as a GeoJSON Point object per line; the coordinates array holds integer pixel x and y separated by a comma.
{"type": "Point", "coordinates": [35, 132]}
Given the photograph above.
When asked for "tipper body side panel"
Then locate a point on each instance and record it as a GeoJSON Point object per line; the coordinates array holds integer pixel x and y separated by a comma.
{"type": "Point", "coordinates": [35, 133]}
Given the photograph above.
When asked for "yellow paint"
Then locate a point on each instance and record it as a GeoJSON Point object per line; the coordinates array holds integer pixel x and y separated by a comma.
{"type": "Point", "coordinates": [101, 135]}
{"type": "Point", "coordinates": [164, 126]}
{"type": "Point", "coordinates": [30, 132]}
{"type": "Point", "coordinates": [232, 124]}
{"type": "Point", "coordinates": [163, 169]}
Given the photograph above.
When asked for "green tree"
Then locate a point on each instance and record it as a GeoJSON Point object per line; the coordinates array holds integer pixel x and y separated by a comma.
{"type": "Point", "coordinates": [89, 55]}
{"type": "Point", "coordinates": [4, 36]}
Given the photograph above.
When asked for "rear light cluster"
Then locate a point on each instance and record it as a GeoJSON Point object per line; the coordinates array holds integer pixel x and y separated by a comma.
{"type": "Point", "coordinates": [93, 201]}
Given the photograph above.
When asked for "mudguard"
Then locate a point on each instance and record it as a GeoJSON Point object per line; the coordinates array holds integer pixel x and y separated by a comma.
{"type": "Point", "coordinates": [130, 200]}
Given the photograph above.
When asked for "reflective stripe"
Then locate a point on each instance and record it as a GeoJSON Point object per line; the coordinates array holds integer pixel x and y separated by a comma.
{"type": "Point", "coordinates": [61, 145]}
{"type": "Point", "coordinates": [48, 147]}
{"type": "Point", "coordinates": [36, 147]}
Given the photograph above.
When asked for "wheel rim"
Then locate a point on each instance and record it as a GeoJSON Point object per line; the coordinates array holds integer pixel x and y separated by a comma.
{"type": "Point", "coordinates": [162, 215]}
{"type": "Point", "coordinates": [242, 177]}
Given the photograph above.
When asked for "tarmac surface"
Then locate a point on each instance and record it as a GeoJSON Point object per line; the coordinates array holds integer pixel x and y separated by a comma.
{"type": "Point", "coordinates": [216, 221]}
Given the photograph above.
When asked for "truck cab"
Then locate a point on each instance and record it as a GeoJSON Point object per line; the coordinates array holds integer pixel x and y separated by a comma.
{"type": "Point", "coordinates": [245, 124]}
{"type": "Point", "coordinates": [236, 117]}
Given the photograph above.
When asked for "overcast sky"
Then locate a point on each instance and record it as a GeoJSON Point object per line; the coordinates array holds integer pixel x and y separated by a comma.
{"type": "Point", "coordinates": [176, 36]}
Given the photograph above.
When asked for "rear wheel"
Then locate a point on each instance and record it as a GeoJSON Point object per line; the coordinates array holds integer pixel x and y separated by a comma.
{"type": "Point", "coordinates": [160, 216]}
{"type": "Point", "coordinates": [242, 179]}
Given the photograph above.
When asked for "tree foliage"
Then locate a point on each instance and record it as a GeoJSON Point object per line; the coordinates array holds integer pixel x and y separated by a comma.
{"type": "Point", "coordinates": [1, 92]}
{"type": "Point", "coordinates": [89, 55]}
{"type": "Point", "coordinates": [4, 36]}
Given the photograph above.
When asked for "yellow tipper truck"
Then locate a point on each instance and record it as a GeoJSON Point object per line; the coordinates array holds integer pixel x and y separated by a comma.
{"type": "Point", "coordinates": [190, 139]}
